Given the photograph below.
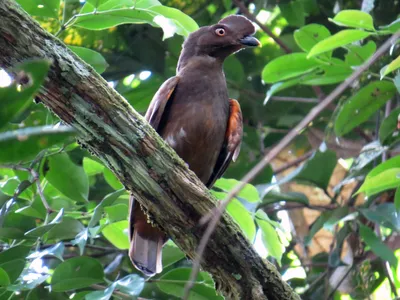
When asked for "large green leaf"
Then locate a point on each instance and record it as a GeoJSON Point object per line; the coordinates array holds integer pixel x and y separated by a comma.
{"type": "Point", "coordinates": [14, 99]}
{"type": "Point", "coordinates": [311, 171]}
{"type": "Point", "coordinates": [383, 177]}
{"type": "Point", "coordinates": [25, 144]}
{"type": "Point", "coordinates": [354, 18]}
{"type": "Point", "coordinates": [377, 246]}
{"type": "Point", "coordinates": [329, 74]}
{"type": "Point", "coordinates": [93, 58]}
{"type": "Point", "coordinates": [111, 14]}
{"type": "Point", "coordinates": [337, 40]}
{"type": "Point", "coordinates": [288, 66]}
{"type": "Point", "coordinates": [76, 273]}
{"type": "Point", "coordinates": [240, 214]}
{"type": "Point", "coordinates": [248, 193]}
{"type": "Point", "coordinates": [308, 36]}
{"type": "Point", "coordinates": [360, 107]}
{"type": "Point", "coordinates": [384, 214]}
{"type": "Point", "coordinates": [270, 236]}
{"type": "Point", "coordinates": [173, 283]}
{"type": "Point", "coordinates": [117, 234]}
{"type": "Point", "coordinates": [69, 178]}
{"type": "Point", "coordinates": [42, 8]}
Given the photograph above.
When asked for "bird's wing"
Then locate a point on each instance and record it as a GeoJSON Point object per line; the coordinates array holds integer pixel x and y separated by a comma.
{"type": "Point", "coordinates": [159, 102]}
{"type": "Point", "coordinates": [233, 138]}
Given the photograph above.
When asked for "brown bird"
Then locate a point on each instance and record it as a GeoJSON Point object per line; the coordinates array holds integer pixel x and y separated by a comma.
{"type": "Point", "coordinates": [193, 113]}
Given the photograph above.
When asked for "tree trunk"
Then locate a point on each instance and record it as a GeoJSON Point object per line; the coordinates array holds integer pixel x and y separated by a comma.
{"type": "Point", "coordinates": [110, 129]}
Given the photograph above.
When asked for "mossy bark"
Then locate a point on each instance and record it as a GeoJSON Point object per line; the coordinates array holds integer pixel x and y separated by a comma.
{"type": "Point", "coordinates": [110, 129]}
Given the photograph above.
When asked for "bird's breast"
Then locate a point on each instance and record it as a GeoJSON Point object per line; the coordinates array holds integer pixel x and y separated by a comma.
{"type": "Point", "coordinates": [195, 122]}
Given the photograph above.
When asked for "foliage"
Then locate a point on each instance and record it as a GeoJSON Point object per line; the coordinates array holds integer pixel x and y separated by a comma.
{"type": "Point", "coordinates": [63, 215]}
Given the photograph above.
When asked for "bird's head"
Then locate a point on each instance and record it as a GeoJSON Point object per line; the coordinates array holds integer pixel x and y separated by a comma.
{"type": "Point", "coordinates": [222, 39]}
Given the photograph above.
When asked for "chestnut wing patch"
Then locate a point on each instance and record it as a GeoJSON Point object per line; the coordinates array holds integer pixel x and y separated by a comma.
{"type": "Point", "coordinates": [233, 138]}
{"type": "Point", "coordinates": [159, 102]}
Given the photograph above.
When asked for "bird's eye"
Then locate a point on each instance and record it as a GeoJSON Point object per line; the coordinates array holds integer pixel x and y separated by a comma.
{"type": "Point", "coordinates": [220, 31]}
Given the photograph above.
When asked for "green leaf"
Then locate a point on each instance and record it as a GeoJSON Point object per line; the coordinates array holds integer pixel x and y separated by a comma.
{"type": "Point", "coordinates": [171, 254]}
{"type": "Point", "coordinates": [377, 246]}
{"type": "Point", "coordinates": [357, 55]}
{"type": "Point", "coordinates": [383, 177]}
{"type": "Point", "coordinates": [116, 212]}
{"type": "Point", "coordinates": [354, 18]}
{"type": "Point", "coordinates": [394, 65]}
{"type": "Point", "coordinates": [76, 273]}
{"type": "Point", "coordinates": [93, 58]}
{"type": "Point", "coordinates": [337, 40]}
{"type": "Point", "coordinates": [25, 144]}
{"type": "Point", "coordinates": [42, 8]}
{"type": "Point", "coordinates": [111, 179]}
{"type": "Point", "coordinates": [92, 167]}
{"type": "Point", "coordinates": [329, 74]}
{"type": "Point", "coordinates": [288, 66]}
{"type": "Point", "coordinates": [311, 171]}
{"type": "Point", "coordinates": [107, 16]}
{"type": "Point", "coordinates": [69, 178]}
{"type": "Point", "coordinates": [274, 197]}
{"type": "Point", "coordinates": [308, 36]}
{"type": "Point", "coordinates": [117, 234]}
{"type": "Point", "coordinates": [388, 132]}
{"type": "Point", "coordinates": [397, 199]}
{"type": "Point", "coordinates": [14, 99]}
{"type": "Point", "coordinates": [184, 24]}
{"type": "Point", "coordinates": [242, 216]}
{"type": "Point", "coordinates": [41, 230]}
{"type": "Point", "coordinates": [392, 27]}
{"type": "Point", "coordinates": [14, 253]}
{"type": "Point", "coordinates": [173, 283]}
{"type": "Point", "coordinates": [107, 201]}
{"type": "Point", "coordinates": [13, 268]}
{"type": "Point", "coordinates": [4, 278]}
{"type": "Point", "coordinates": [248, 193]}
{"type": "Point", "coordinates": [270, 236]}
{"type": "Point", "coordinates": [66, 230]}
{"type": "Point", "coordinates": [361, 106]}
{"type": "Point", "coordinates": [384, 214]}
{"type": "Point", "coordinates": [293, 12]}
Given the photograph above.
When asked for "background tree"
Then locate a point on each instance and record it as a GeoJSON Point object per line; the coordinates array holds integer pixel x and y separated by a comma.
{"type": "Point", "coordinates": [325, 211]}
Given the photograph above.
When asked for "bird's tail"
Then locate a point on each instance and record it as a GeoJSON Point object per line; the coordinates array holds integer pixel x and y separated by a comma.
{"type": "Point", "coordinates": [146, 241]}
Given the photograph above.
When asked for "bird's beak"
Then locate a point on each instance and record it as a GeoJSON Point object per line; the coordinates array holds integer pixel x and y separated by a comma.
{"type": "Point", "coordinates": [250, 41]}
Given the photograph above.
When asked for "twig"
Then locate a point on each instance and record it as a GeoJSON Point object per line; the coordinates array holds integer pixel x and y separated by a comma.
{"type": "Point", "coordinates": [294, 99]}
{"type": "Point", "coordinates": [293, 162]}
{"type": "Point", "coordinates": [298, 206]}
{"type": "Point", "coordinates": [218, 211]}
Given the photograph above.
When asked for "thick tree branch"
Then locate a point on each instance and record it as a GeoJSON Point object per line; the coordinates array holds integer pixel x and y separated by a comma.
{"type": "Point", "coordinates": [110, 129]}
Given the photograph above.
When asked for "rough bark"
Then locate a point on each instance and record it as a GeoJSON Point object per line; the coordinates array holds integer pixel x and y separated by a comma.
{"type": "Point", "coordinates": [110, 129]}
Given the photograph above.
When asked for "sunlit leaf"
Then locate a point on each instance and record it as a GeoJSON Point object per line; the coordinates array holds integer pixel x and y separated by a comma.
{"type": "Point", "coordinates": [354, 18]}
{"type": "Point", "coordinates": [340, 39]}
{"type": "Point", "coordinates": [93, 58]}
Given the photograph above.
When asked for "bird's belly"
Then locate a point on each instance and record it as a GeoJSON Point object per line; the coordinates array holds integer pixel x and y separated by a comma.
{"type": "Point", "coordinates": [197, 132]}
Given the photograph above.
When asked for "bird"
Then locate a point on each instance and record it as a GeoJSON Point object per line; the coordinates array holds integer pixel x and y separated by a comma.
{"type": "Point", "coordinates": [193, 113]}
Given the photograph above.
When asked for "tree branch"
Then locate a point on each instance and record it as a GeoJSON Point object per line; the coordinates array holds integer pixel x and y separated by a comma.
{"type": "Point", "coordinates": [110, 129]}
